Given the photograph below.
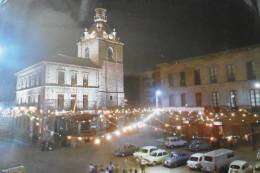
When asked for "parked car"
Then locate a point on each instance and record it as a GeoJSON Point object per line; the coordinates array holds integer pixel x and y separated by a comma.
{"type": "Point", "coordinates": [256, 168]}
{"type": "Point", "coordinates": [195, 160]}
{"type": "Point", "coordinates": [18, 169]}
{"type": "Point", "coordinates": [258, 155]}
{"type": "Point", "coordinates": [240, 166]}
{"type": "Point", "coordinates": [144, 151]}
{"type": "Point", "coordinates": [126, 150]}
{"type": "Point", "coordinates": [199, 145]}
{"type": "Point", "coordinates": [217, 159]}
{"type": "Point", "coordinates": [155, 157]}
{"type": "Point", "coordinates": [175, 141]}
{"type": "Point", "coordinates": [176, 159]}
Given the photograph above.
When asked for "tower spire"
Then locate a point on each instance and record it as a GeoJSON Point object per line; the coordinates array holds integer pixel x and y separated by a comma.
{"type": "Point", "coordinates": [100, 15]}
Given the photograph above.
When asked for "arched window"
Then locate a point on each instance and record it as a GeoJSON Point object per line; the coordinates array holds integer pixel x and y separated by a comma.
{"type": "Point", "coordinates": [87, 52]}
{"type": "Point", "coordinates": [110, 53]}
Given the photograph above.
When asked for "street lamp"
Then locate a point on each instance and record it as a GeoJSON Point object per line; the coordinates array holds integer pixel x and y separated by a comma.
{"type": "Point", "coordinates": [157, 94]}
{"type": "Point", "coordinates": [257, 85]}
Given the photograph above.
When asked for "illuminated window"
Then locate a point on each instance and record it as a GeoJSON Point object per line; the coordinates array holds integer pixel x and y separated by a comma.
{"type": "Point", "coordinates": [215, 99]}
{"type": "Point", "coordinates": [87, 52]}
{"type": "Point", "coordinates": [231, 72]}
{"type": "Point", "coordinates": [250, 70]}
{"type": "Point", "coordinates": [254, 98]}
{"type": "Point", "coordinates": [233, 99]}
{"type": "Point", "coordinates": [60, 102]}
{"type": "Point", "coordinates": [182, 79]}
{"type": "Point", "coordinates": [85, 80]}
{"type": "Point", "coordinates": [110, 53]}
{"type": "Point", "coordinates": [213, 75]}
{"type": "Point", "coordinates": [85, 102]}
{"type": "Point", "coordinates": [61, 77]}
{"type": "Point", "coordinates": [74, 79]}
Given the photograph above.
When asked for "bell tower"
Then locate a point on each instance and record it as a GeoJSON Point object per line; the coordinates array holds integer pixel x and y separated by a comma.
{"type": "Point", "coordinates": [102, 46]}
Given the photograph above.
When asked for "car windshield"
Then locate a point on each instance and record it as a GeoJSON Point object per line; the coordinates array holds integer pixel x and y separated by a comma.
{"type": "Point", "coordinates": [194, 158]}
{"type": "Point", "coordinates": [143, 150]}
{"type": "Point", "coordinates": [235, 167]}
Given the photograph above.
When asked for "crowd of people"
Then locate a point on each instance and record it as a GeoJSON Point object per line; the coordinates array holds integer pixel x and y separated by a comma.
{"type": "Point", "coordinates": [111, 168]}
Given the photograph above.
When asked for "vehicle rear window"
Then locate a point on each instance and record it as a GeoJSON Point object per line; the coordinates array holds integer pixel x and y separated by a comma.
{"type": "Point", "coordinates": [235, 167]}
{"type": "Point", "coordinates": [208, 158]}
{"type": "Point", "coordinates": [194, 158]}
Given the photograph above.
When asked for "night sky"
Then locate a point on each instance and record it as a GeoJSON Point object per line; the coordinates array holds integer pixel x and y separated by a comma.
{"type": "Point", "coordinates": [154, 31]}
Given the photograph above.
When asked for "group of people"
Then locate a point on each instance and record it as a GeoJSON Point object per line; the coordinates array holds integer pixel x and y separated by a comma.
{"type": "Point", "coordinates": [111, 168]}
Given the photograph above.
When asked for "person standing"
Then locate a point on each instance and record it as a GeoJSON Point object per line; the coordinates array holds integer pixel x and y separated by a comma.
{"type": "Point", "coordinates": [91, 168]}
{"type": "Point", "coordinates": [142, 166]}
{"type": "Point", "coordinates": [110, 167]}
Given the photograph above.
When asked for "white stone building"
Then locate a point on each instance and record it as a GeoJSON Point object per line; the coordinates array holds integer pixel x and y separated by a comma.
{"type": "Point", "coordinates": [93, 79]}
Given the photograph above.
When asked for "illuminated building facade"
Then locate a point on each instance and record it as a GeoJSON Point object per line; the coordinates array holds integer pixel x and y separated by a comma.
{"type": "Point", "coordinates": [93, 79]}
{"type": "Point", "coordinates": [226, 79]}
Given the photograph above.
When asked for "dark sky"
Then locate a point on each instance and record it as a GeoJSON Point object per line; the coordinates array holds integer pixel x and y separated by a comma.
{"type": "Point", "coordinates": [153, 31]}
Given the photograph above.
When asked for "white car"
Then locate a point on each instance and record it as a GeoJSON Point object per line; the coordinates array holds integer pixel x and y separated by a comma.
{"type": "Point", "coordinates": [195, 160]}
{"type": "Point", "coordinates": [144, 151]}
{"type": "Point", "coordinates": [156, 157]}
{"type": "Point", "coordinates": [240, 166]}
{"type": "Point", "coordinates": [172, 142]}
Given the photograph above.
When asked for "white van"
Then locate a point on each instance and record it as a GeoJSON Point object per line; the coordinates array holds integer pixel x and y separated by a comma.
{"type": "Point", "coordinates": [195, 160]}
{"type": "Point", "coordinates": [216, 159]}
{"type": "Point", "coordinates": [240, 166]}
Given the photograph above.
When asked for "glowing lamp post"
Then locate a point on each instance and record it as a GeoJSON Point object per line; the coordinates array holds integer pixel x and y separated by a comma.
{"type": "Point", "coordinates": [257, 85]}
{"type": "Point", "coordinates": [157, 94]}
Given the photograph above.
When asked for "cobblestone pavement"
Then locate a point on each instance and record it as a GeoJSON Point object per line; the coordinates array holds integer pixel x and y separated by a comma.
{"type": "Point", "coordinates": [76, 160]}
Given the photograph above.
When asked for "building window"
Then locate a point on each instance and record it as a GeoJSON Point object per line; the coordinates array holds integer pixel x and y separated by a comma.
{"type": "Point", "coordinates": [250, 70]}
{"type": "Point", "coordinates": [215, 99]}
{"type": "Point", "coordinates": [233, 99]}
{"type": "Point", "coordinates": [171, 100]}
{"type": "Point", "coordinates": [85, 102]}
{"type": "Point", "coordinates": [198, 97]}
{"type": "Point", "coordinates": [197, 80]}
{"type": "Point", "coordinates": [85, 81]}
{"type": "Point", "coordinates": [111, 98]}
{"type": "Point", "coordinates": [171, 80]}
{"type": "Point", "coordinates": [61, 77]}
{"type": "Point", "coordinates": [231, 72]}
{"type": "Point", "coordinates": [254, 98]}
{"type": "Point", "coordinates": [87, 52]}
{"type": "Point", "coordinates": [182, 79]}
{"type": "Point", "coordinates": [110, 53]}
{"type": "Point", "coordinates": [74, 79]}
{"type": "Point", "coordinates": [60, 102]}
{"type": "Point", "coordinates": [73, 102]}
{"type": "Point", "coordinates": [213, 75]}
{"type": "Point", "coordinates": [183, 99]}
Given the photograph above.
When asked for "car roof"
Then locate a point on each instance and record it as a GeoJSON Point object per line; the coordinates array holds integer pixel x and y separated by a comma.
{"type": "Point", "coordinates": [178, 152]}
{"type": "Point", "coordinates": [238, 162]}
{"type": "Point", "coordinates": [218, 152]}
{"type": "Point", "coordinates": [197, 155]}
{"type": "Point", "coordinates": [148, 147]}
{"type": "Point", "coordinates": [159, 150]}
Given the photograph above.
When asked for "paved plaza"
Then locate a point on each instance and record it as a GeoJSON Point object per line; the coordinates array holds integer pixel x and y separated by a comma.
{"type": "Point", "coordinates": [76, 160]}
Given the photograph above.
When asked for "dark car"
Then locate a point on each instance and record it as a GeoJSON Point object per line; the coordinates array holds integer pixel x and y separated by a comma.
{"type": "Point", "coordinates": [176, 159]}
{"type": "Point", "coordinates": [199, 145]}
{"type": "Point", "coordinates": [126, 150]}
